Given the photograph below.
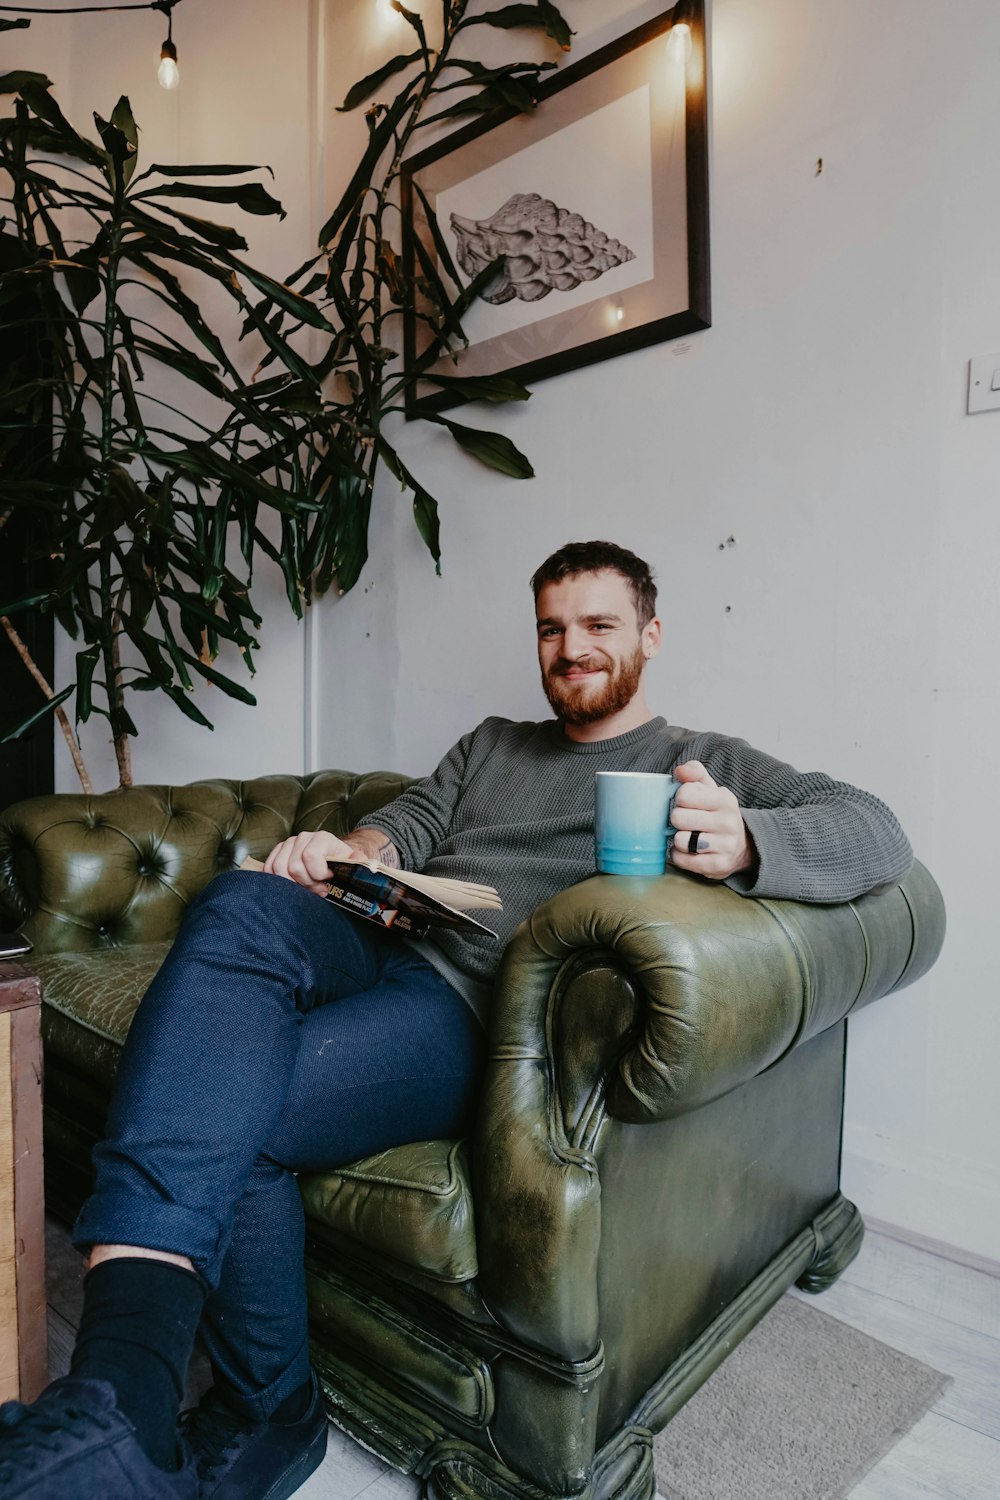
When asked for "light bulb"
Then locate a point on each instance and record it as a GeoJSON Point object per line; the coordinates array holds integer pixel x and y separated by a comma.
{"type": "Point", "coordinates": [619, 314]}
{"type": "Point", "coordinates": [168, 74]}
{"type": "Point", "coordinates": [679, 44]}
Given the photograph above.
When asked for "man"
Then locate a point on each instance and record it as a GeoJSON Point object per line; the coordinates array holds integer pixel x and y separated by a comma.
{"type": "Point", "coordinates": [282, 1035]}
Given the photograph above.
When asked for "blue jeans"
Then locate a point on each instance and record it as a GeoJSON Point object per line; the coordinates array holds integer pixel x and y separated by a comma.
{"type": "Point", "coordinates": [281, 1035]}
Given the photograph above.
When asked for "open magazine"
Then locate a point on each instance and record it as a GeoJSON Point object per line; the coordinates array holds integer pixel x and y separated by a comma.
{"type": "Point", "coordinates": [409, 902]}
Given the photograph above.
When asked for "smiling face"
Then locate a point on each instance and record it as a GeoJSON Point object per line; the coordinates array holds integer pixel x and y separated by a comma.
{"type": "Point", "coordinates": [592, 653]}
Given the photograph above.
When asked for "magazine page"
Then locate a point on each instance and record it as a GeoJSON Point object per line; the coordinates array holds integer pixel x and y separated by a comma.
{"type": "Point", "coordinates": [384, 896]}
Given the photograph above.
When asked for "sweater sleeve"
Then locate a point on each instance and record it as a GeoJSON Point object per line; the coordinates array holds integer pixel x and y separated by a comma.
{"type": "Point", "coordinates": [417, 820]}
{"type": "Point", "coordinates": [817, 839]}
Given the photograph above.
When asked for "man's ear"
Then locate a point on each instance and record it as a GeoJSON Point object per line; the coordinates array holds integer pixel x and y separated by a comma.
{"type": "Point", "coordinates": [652, 638]}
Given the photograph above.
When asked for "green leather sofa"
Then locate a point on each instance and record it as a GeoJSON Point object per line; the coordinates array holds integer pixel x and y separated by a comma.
{"type": "Point", "coordinates": [656, 1160]}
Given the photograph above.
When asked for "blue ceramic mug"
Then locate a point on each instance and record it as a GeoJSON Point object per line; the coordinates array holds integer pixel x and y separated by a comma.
{"type": "Point", "coordinates": [631, 828]}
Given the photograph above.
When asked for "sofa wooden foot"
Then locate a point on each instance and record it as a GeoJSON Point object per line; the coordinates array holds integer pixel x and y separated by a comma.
{"type": "Point", "coordinates": [839, 1232]}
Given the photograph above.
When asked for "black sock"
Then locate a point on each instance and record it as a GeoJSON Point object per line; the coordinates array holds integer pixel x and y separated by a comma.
{"type": "Point", "coordinates": [295, 1406]}
{"type": "Point", "coordinates": [137, 1331]}
{"type": "Point", "coordinates": [292, 1409]}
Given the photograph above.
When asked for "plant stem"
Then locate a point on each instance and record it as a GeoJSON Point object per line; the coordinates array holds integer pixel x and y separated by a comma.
{"type": "Point", "coordinates": [64, 724]}
{"type": "Point", "coordinates": [110, 613]}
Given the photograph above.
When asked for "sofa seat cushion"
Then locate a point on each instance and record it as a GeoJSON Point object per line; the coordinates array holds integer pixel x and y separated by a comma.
{"type": "Point", "coordinates": [90, 999]}
{"type": "Point", "coordinates": [412, 1203]}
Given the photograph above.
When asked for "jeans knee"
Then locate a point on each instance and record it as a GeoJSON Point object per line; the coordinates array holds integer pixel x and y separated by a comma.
{"type": "Point", "coordinates": [247, 900]}
{"type": "Point", "coordinates": [252, 918]}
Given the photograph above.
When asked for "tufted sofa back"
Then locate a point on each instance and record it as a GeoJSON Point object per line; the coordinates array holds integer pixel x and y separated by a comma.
{"type": "Point", "coordinates": [91, 872]}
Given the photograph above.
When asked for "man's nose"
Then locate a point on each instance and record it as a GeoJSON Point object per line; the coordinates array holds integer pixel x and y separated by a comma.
{"type": "Point", "coordinates": [575, 643]}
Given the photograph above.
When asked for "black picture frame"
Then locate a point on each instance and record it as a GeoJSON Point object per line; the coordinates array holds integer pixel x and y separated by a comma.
{"type": "Point", "coordinates": [672, 295]}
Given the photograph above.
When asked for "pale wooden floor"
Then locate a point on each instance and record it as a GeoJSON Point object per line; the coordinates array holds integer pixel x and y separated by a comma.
{"type": "Point", "coordinates": [917, 1299]}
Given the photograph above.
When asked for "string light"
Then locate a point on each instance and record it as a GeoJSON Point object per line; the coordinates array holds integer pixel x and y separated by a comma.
{"type": "Point", "coordinates": [167, 72]}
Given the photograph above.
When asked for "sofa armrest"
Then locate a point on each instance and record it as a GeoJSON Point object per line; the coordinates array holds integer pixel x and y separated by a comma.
{"type": "Point", "coordinates": [723, 985]}
{"type": "Point", "coordinates": [90, 872]}
{"type": "Point", "coordinates": [641, 1000]}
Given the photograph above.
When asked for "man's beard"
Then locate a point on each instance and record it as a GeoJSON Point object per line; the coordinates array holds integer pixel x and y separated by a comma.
{"type": "Point", "coordinates": [585, 703]}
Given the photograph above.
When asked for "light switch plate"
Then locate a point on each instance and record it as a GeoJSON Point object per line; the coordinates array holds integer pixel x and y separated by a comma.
{"type": "Point", "coordinates": [984, 383]}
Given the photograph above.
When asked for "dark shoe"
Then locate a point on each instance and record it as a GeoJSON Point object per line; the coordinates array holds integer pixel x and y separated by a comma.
{"type": "Point", "coordinates": [240, 1459]}
{"type": "Point", "coordinates": [74, 1442]}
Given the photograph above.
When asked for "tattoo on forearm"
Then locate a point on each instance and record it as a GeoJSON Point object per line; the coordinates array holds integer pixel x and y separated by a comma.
{"type": "Point", "coordinates": [388, 854]}
{"type": "Point", "coordinates": [374, 844]}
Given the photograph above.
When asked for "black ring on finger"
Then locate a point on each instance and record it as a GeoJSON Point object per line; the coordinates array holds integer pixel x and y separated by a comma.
{"type": "Point", "coordinates": [693, 841]}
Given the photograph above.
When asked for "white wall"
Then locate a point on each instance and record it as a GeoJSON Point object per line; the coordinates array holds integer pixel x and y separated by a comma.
{"type": "Point", "coordinates": [820, 422]}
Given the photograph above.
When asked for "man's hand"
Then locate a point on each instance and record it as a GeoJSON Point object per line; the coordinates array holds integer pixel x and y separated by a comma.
{"type": "Point", "coordinates": [303, 859]}
{"type": "Point", "coordinates": [712, 811]}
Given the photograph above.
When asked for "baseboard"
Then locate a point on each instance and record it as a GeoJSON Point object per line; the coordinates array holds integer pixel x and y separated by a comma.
{"type": "Point", "coordinates": [923, 1196]}
{"type": "Point", "coordinates": [939, 1248]}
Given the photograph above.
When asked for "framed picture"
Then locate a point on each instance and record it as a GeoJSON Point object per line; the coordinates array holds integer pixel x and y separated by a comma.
{"type": "Point", "coordinates": [594, 208]}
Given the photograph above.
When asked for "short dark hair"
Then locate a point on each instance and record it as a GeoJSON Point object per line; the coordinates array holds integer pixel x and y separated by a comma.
{"type": "Point", "coordinates": [599, 557]}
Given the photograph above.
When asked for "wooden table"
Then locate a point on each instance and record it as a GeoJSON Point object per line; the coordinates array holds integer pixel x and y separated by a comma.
{"type": "Point", "coordinates": [23, 1363]}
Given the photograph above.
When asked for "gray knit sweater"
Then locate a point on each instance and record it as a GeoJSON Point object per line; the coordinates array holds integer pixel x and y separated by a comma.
{"type": "Point", "coordinates": [512, 805]}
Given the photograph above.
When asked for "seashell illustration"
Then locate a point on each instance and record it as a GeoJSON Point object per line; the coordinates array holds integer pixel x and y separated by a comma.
{"type": "Point", "coordinates": [545, 249]}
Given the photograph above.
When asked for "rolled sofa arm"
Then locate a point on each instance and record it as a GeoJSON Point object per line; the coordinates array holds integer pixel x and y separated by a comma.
{"type": "Point", "coordinates": [640, 1000]}
{"type": "Point", "coordinates": [90, 872]}
{"type": "Point", "coordinates": [724, 985]}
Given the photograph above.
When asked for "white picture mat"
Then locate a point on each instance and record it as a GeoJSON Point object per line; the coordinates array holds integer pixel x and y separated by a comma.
{"type": "Point", "coordinates": [601, 167]}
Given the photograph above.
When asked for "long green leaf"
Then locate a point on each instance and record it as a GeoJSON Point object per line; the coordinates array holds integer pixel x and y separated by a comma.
{"type": "Point", "coordinates": [82, 278]}
{"type": "Point", "coordinates": [29, 601]}
{"type": "Point", "coordinates": [428, 522]}
{"type": "Point", "coordinates": [505, 70]}
{"type": "Point", "coordinates": [215, 234]}
{"type": "Point", "coordinates": [201, 170]}
{"type": "Point", "coordinates": [279, 346]}
{"type": "Point", "coordinates": [250, 196]}
{"type": "Point", "coordinates": [440, 243]}
{"type": "Point", "coordinates": [86, 665]}
{"type": "Point", "coordinates": [494, 388]}
{"type": "Point", "coordinates": [120, 143]}
{"type": "Point", "coordinates": [123, 119]}
{"type": "Point", "coordinates": [233, 689]}
{"type": "Point", "coordinates": [41, 103]}
{"type": "Point", "coordinates": [475, 104]}
{"type": "Point", "coordinates": [438, 290]}
{"type": "Point", "coordinates": [291, 302]}
{"type": "Point", "coordinates": [132, 411]}
{"type": "Point", "coordinates": [13, 83]}
{"type": "Point", "coordinates": [185, 705]}
{"type": "Point", "coordinates": [367, 86]}
{"type": "Point", "coordinates": [198, 460]}
{"type": "Point", "coordinates": [47, 708]}
{"type": "Point", "coordinates": [425, 507]}
{"type": "Point", "coordinates": [491, 448]}
{"type": "Point", "coordinates": [412, 18]}
{"type": "Point", "coordinates": [191, 605]}
{"type": "Point", "coordinates": [185, 362]}
{"type": "Point", "coordinates": [543, 16]}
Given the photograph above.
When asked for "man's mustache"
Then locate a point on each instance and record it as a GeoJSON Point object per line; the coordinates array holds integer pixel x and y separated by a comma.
{"type": "Point", "coordinates": [585, 664]}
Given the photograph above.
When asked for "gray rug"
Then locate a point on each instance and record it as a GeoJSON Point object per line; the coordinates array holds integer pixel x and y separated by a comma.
{"type": "Point", "coordinates": [801, 1410]}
